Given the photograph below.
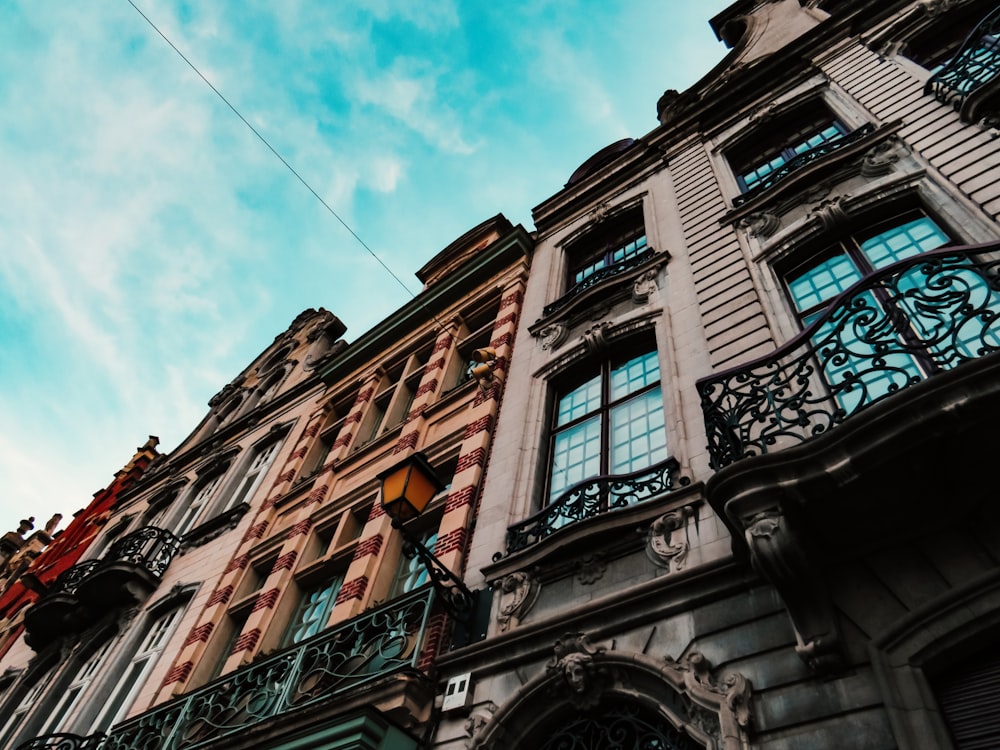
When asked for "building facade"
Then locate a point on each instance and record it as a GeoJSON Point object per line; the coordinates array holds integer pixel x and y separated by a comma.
{"type": "Point", "coordinates": [745, 447]}
{"type": "Point", "coordinates": [250, 591]}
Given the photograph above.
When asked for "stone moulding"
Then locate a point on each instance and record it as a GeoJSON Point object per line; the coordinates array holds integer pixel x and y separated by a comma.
{"type": "Point", "coordinates": [713, 709]}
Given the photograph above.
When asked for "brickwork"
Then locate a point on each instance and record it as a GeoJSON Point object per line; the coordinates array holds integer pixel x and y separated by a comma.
{"type": "Point", "coordinates": [353, 589]}
{"type": "Point", "coordinates": [451, 541]}
{"type": "Point", "coordinates": [483, 424]}
{"type": "Point", "coordinates": [475, 457]}
{"type": "Point", "coordinates": [266, 600]}
{"type": "Point", "coordinates": [246, 642]}
{"type": "Point", "coordinates": [302, 527]}
{"type": "Point", "coordinates": [437, 627]}
{"type": "Point", "coordinates": [459, 498]}
{"type": "Point", "coordinates": [200, 633]}
{"type": "Point", "coordinates": [369, 546]}
{"type": "Point", "coordinates": [179, 673]}
{"type": "Point", "coordinates": [407, 442]}
{"type": "Point", "coordinates": [220, 596]}
{"type": "Point", "coordinates": [237, 563]}
{"type": "Point", "coordinates": [256, 531]}
{"type": "Point", "coordinates": [429, 386]}
{"type": "Point", "coordinates": [285, 562]}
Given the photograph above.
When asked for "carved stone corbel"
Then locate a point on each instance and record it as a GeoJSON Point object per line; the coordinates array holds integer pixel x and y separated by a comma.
{"type": "Point", "coordinates": [582, 679]}
{"type": "Point", "coordinates": [760, 224]}
{"type": "Point", "coordinates": [878, 160]}
{"type": "Point", "coordinates": [645, 284]}
{"type": "Point", "coordinates": [695, 671]}
{"type": "Point", "coordinates": [831, 213]}
{"type": "Point", "coordinates": [595, 338]}
{"type": "Point", "coordinates": [518, 593]}
{"type": "Point", "coordinates": [476, 722]}
{"type": "Point", "coordinates": [780, 555]}
{"type": "Point", "coordinates": [552, 335]}
{"type": "Point", "coordinates": [667, 543]}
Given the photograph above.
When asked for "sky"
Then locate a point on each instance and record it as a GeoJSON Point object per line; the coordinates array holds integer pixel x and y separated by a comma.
{"type": "Point", "coordinates": [151, 246]}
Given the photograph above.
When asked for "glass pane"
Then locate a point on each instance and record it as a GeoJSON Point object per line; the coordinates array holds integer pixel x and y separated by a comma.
{"type": "Point", "coordinates": [635, 375]}
{"type": "Point", "coordinates": [314, 610]}
{"type": "Point", "coordinates": [576, 455]}
{"type": "Point", "coordinates": [412, 572]}
{"type": "Point", "coordinates": [849, 357]}
{"type": "Point", "coordinates": [579, 402]}
{"type": "Point", "coordinates": [638, 434]}
{"type": "Point", "coordinates": [905, 241]}
{"type": "Point", "coordinates": [823, 281]}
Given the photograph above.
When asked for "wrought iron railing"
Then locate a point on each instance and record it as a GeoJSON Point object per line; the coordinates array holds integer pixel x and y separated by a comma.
{"type": "Point", "coordinates": [150, 547]}
{"type": "Point", "coordinates": [975, 64]}
{"type": "Point", "coordinates": [62, 742]}
{"type": "Point", "coordinates": [803, 160]}
{"type": "Point", "coordinates": [68, 581]}
{"type": "Point", "coordinates": [593, 497]}
{"type": "Point", "coordinates": [892, 329]}
{"type": "Point", "coordinates": [596, 278]}
{"type": "Point", "coordinates": [376, 644]}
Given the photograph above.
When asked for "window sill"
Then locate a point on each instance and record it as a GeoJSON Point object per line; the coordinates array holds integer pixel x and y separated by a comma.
{"type": "Point", "coordinates": [214, 527]}
{"type": "Point", "coordinates": [584, 295]}
{"type": "Point", "coordinates": [790, 185]}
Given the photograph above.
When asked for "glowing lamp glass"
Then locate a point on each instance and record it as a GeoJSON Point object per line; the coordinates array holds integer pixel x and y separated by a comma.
{"type": "Point", "coordinates": [408, 487]}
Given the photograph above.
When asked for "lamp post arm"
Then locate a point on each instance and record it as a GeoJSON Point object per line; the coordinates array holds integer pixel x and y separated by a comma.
{"type": "Point", "coordinates": [454, 594]}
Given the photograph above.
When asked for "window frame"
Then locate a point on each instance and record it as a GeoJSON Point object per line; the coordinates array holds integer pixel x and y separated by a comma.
{"type": "Point", "coordinates": [623, 354]}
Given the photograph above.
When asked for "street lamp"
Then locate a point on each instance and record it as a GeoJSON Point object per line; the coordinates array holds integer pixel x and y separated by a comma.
{"type": "Point", "coordinates": [407, 489]}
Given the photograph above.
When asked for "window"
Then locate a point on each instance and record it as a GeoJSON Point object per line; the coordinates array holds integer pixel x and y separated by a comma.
{"type": "Point", "coordinates": [319, 451]}
{"type": "Point", "coordinates": [411, 573]}
{"type": "Point", "coordinates": [313, 611]}
{"type": "Point", "coordinates": [197, 505]}
{"type": "Point", "coordinates": [23, 708]}
{"type": "Point", "coordinates": [133, 676]}
{"type": "Point", "coordinates": [964, 55]}
{"type": "Point", "coordinates": [394, 397]}
{"type": "Point", "coordinates": [938, 43]}
{"type": "Point", "coordinates": [875, 373]}
{"type": "Point", "coordinates": [70, 698]}
{"type": "Point", "coordinates": [475, 333]}
{"type": "Point", "coordinates": [254, 475]}
{"type": "Point", "coordinates": [615, 241]}
{"type": "Point", "coordinates": [775, 145]}
{"type": "Point", "coordinates": [612, 423]}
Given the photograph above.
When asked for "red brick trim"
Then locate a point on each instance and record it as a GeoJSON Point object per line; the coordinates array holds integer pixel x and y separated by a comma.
{"type": "Point", "coordinates": [369, 546]}
{"type": "Point", "coordinates": [507, 338]}
{"type": "Point", "coordinates": [256, 531]}
{"type": "Point", "coordinates": [285, 562]}
{"type": "Point", "coordinates": [246, 642]}
{"type": "Point", "coordinates": [200, 633]}
{"type": "Point", "coordinates": [433, 365]}
{"type": "Point", "coordinates": [313, 430]}
{"type": "Point", "coordinates": [442, 343]}
{"type": "Point", "coordinates": [483, 424]}
{"type": "Point", "coordinates": [364, 396]}
{"type": "Point", "coordinates": [453, 540]}
{"type": "Point", "coordinates": [513, 298]}
{"type": "Point", "coordinates": [377, 512]}
{"type": "Point", "coordinates": [508, 318]}
{"type": "Point", "coordinates": [429, 387]}
{"type": "Point", "coordinates": [409, 440]}
{"type": "Point", "coordinates": [319, 493]}
{"type": "Point", "coordinates": [458, 498]}
{"type": "Point", "coordinates": [299, 452]}
{"type": "Point", "coordinates": [179, 673]}
{"type": "Point", "coordinates": [220, 596]}
{"type": "Point", "coordinates": [352, 589]}
{"type": "Point", "coordinates": [302, 527]}
{"type": "Point", "coordinates": [237, 563]}
{"type": "Point", "coordinates": [473, 458]}
{"type": "Point", "coordinates": [266, 600]}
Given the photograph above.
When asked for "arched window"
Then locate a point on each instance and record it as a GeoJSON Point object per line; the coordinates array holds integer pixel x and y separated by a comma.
{"type": "Point", "coordinates": [621, 724]}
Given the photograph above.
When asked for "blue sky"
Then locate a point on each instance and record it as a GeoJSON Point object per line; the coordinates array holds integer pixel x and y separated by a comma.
{"type": "Point", "coordinates": [151, 246]}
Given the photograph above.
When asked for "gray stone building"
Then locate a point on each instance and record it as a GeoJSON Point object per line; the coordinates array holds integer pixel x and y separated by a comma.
{"type": "Point", "coordinates": [739, 494]}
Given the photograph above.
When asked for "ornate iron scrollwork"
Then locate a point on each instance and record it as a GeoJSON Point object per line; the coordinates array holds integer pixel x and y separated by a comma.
{"type": "Point", "coordinates": [972, 67]}
{"type": "Point", "coordinates": [803, 160]}
{"type": "Point", "coordinates": [151, 548]}
{"type": "Point", "coordinates": [889, 331]}
{"type": "Point", "coordinates": [67, 582]}
{"type": "Point", "coordinates": [379, 642]}
{"type": "Point", "coordinates": [623, 724]}
{"type": "Point", "coordinates": [593, 497]}
{"type": "Point", "coordinates": [596, 278]}
{"type": "Point", "coordinates": [62, 742]}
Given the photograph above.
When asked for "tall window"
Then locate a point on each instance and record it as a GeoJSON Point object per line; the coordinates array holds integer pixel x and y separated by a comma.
{"type": "Point", "coordinates": [254, 475]}
{"type": "Point", "coordinates": [23, 708]}
{"type": "Point", "coordinates": [411, 573]}
{"type": "Point", "coordinates": [197, 505]}
{"type": "Point", "coordinates": [813, 285]}
{"type": "Point", "coordinates": [612, 423]}
{"type": "Point", "coordinates": [132, 677]}
{"type": "Point", "coordinates": [775, 145]}
{"type": "Point", "coordinates": [70, 698]}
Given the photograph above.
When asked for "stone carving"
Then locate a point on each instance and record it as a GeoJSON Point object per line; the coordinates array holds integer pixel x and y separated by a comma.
{"type": "Point", "coordinates": [477, 721]}
{"type": "Point", "coordinates": [645, 284]}
{"type": "Point", "coordinates": [830, 212]}
{"type": "Point", "coordinates": [573, 660]}
{"type": "Point", "coordinates": [816, 193]}
{"type": "Point", "coordinates": [600, 212]}
{"type": "Point", "coordinates": [552, 335]}
{"type": "Point", "coordinates": [760, 224]}
{"type": "Point", "coordinates": [735, 689]}
{"type": "Point", "coordinates": [780, 555]}
{"type": "Point", "coordinates": [880, 158]}
{"type": "Point", "coordinates": [518, 593]}
{"type": "Point", "coordinates": [595, 338]}
{"type": "Point", "coordinates": [763, 113]}
{"type": "Point", "coordinates": [590, 569]}
{"type": "Point", "coordinates": [667, 544]}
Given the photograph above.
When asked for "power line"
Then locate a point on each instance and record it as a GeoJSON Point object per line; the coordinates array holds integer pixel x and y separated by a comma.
{"type": "Point", "coordinates": [280, 157]}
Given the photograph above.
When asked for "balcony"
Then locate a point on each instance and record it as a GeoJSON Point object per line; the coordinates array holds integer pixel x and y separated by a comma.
{"type": "Point", "coordinates": [968, 80]}
{"type": "Point", "coordinates": [130, 570]}
{"type": "Point", "coordinates": [300, 684]}
{"type": "Point", "coordinates": [801, 161]}
{"type": "Point", "coordinates": [594, 497]}
{"type": "Point", "coordinates": [62, 742]}
{"type": "Point", "coordinates": [894, 329]}
{"type": "Point", "coordinates": [578, 291]}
